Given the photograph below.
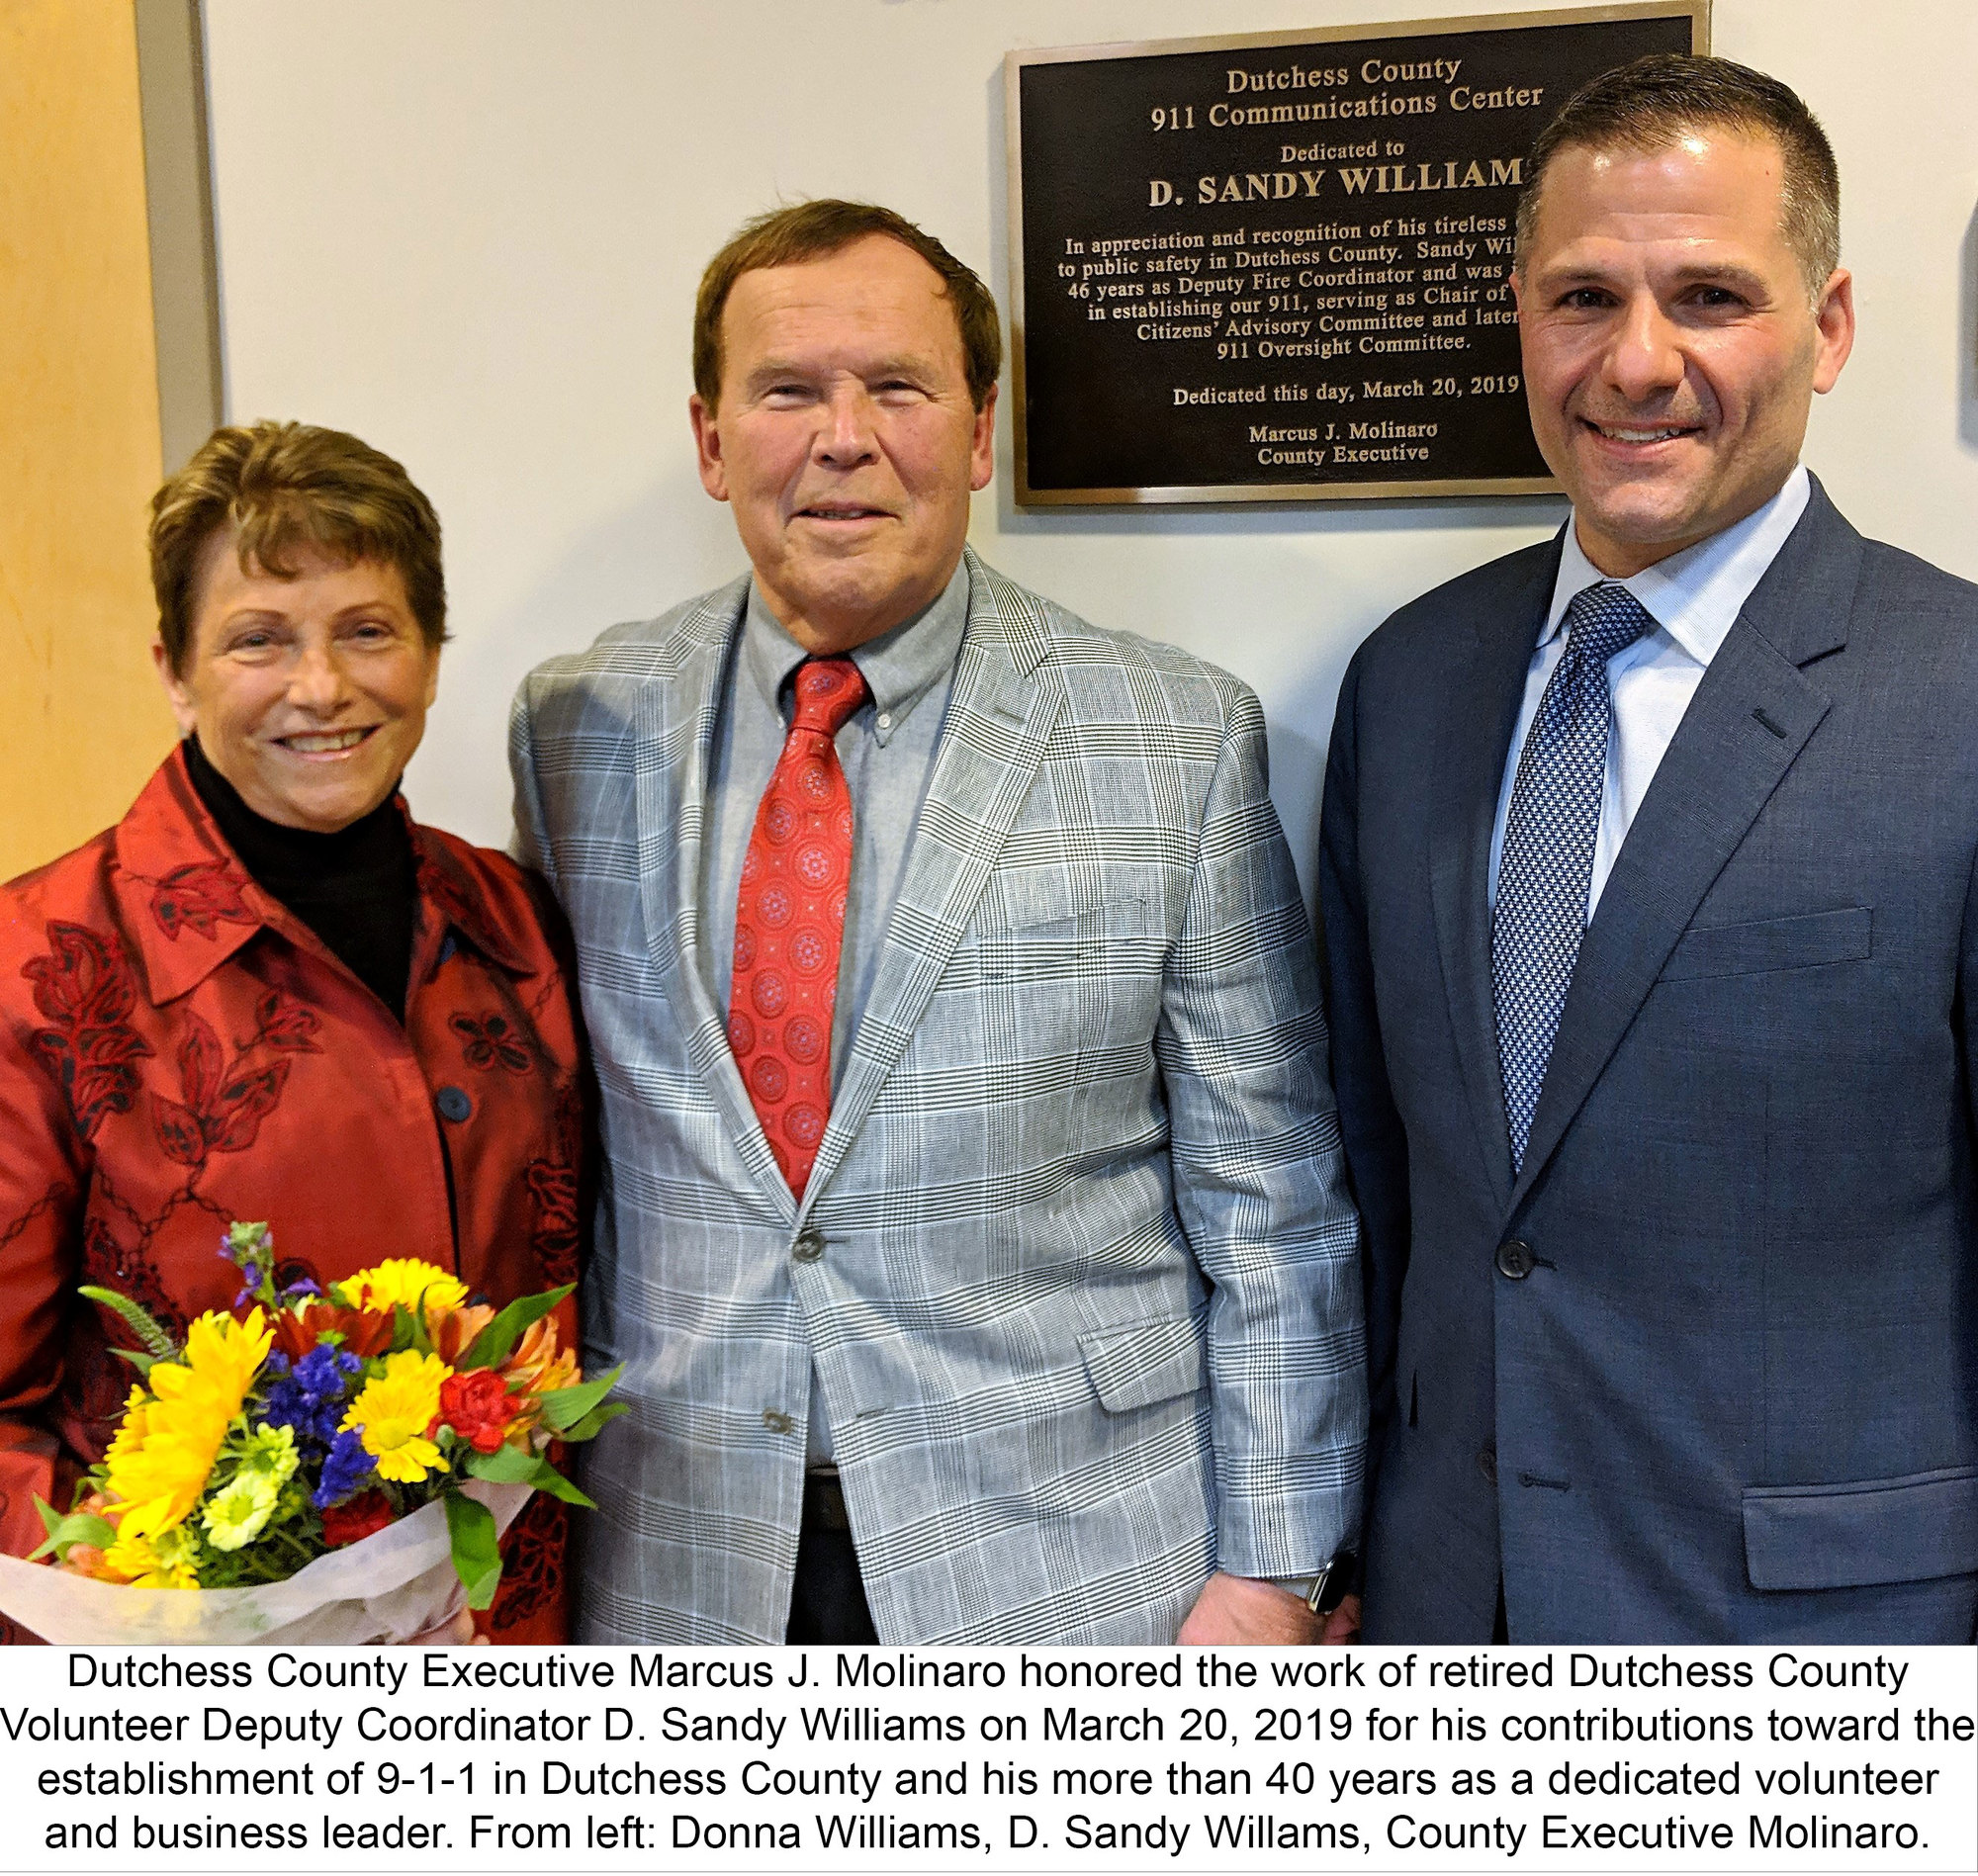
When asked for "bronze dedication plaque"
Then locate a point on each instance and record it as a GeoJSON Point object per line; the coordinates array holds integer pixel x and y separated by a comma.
{"type": "Point", "coordinates": [1276, 267]}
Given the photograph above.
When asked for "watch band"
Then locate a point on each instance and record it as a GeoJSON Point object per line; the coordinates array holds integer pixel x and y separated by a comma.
{"type": "Point", "coordinates": [1330, 1586]}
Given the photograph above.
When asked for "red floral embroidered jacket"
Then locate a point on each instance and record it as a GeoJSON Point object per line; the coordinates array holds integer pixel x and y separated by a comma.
{"type": "Point", "coordinates": [177, 1051]}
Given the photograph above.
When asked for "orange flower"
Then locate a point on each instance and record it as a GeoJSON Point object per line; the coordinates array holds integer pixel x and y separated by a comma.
{"type": "Point", "coordinates": [453, 1330]}
{"type": "Point", "coordinates": [364, 1331]}
{"type": "Point", "coordinates": [536, 1368]}
{"type": "Point", "coordinates": [86, 1559]}
{"type": "Point", "coordinates": [538, 1365]}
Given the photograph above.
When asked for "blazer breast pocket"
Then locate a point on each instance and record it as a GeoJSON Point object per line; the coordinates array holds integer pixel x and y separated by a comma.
{"type": "Point", "coordinates": [1119, 935]}
{"type": "Point", "coordinates": [1842, 936]}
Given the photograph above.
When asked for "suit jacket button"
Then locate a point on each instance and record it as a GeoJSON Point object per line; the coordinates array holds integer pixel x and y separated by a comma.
{"type": "Point", "coordinates": [1515, 1259]}
{"type": "Point", "coordinates": [1487, 1462]}
{"type": "Point", "coordinates": [453, 1103]}
{"type": "Point", "coordinates": [778, 1422]}
{"type": "Point", "coordinates": [809, 1246]}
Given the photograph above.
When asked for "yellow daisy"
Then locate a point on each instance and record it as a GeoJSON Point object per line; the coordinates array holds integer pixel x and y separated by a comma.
{"type": "Point", "coordinates": [394, 1410]}
{"type": "Point", "coordinates": [403, 1280]}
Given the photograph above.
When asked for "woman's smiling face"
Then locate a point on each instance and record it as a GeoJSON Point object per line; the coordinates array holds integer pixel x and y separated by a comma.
{"type": "Point", "coordinates": [309, 692]}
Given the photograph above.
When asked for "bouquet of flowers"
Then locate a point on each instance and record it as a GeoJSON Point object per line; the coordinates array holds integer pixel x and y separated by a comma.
{"type": "Point", "coordinates": [309, 1450]}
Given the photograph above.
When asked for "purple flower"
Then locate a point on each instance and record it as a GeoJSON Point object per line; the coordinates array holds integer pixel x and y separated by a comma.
{"type": "Point", "coordinates": [346, 1472]}
{"type": "Point", "coordinates": [310, 1396]}
{"type": "Point", "coordinates": [252, 1247]}
{"type": "Point", "coordinates": [325, 1370]}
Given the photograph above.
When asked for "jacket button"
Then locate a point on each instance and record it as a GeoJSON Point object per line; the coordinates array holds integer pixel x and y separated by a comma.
{"type": "Point", "coordinates": [1487, 1462]}
{"type": "Point", "coordinates": [1515, 1259]}
{"type": "Point", "coordinates": [453, 1103]}
{"type": "Point", "coordinates": [777, 1422]}
{"type": "Point", "coordinates": [809, 1246]}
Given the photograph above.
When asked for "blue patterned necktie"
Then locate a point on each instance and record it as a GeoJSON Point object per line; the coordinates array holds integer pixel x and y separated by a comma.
{"type": "Point", "coordinates": [1547, 865]}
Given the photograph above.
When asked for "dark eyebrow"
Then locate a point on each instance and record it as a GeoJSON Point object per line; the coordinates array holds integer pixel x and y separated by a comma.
{"type": "Point", "coordinates": [1689, 274]}
{"type": "Point", "coordinates": [1728, 274]}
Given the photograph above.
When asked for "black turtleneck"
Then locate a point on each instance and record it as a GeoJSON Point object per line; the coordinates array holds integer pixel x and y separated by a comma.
{"type": "Point", "coordinates": [354, 889]}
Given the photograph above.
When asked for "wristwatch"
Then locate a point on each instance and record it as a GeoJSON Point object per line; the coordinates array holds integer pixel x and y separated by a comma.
{"type": "Point", "coordinates": [1330, 1587]}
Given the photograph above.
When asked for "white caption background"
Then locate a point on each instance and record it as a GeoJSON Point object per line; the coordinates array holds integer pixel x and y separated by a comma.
{"type": "Point", "coordinates": [1038, 1760]}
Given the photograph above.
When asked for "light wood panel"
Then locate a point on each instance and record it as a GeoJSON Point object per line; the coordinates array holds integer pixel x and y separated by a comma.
{"type": "Point", "coordinates": [83, 717]}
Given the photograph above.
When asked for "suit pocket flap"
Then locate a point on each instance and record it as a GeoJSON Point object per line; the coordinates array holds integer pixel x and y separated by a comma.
{"type": "Point", "coordinates": [1812, 938]}
{"type": "Point", "coordinates": [1141, 1363]}
{"type": "Point", "coordinates": [1873, 1531]}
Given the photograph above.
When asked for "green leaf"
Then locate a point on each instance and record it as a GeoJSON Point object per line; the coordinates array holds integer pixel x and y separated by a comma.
{"type": "Point", "coordinates": [78, 1527]}
{"type": "Point", "coordinates": [477, 1555]}
{"type": "Point", "coordinates": [509, 1466]}
{"type": "Point", "coordinates": [408, 1331]}
{"type": "Point", "coordinates": [493, 1345]}
{"type": "Point", "coordinates": [593, 1422]}
{"type": "Point", "coordinates": [143, 1323]}
{"type": "Point", "coordinates": [141, 1362]}
{"type": "Point", "coordinates": [505, 1465]}
{"type": "Point", "coordinates": [567, 1405]}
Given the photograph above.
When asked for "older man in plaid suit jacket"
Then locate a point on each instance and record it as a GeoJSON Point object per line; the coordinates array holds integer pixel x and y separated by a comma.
{"type": "Point", "coordinates": [1041, 1303]}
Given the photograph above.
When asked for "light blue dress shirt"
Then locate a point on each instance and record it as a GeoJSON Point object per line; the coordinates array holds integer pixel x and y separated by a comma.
{"type": "Point", "coordinates": [1694, 598]}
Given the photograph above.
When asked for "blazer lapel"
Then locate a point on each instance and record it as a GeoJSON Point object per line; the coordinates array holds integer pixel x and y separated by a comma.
{"type": "Point", "coordinates": [1469, 774]}
{"type": "Point", "coordinates": [1004, 700]}
{"type": "Point", "coordinates": [679, 712]}
{"type": "Point", "coordinates": [1750, 717]}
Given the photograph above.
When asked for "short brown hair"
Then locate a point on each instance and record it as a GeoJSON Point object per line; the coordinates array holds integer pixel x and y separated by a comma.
{"type": "Point", "coordinates": [1647, 105]}
{"type": "Point", "coordinates": [277, 487]}
{"type": "Point", "coordinates": [813, 230]}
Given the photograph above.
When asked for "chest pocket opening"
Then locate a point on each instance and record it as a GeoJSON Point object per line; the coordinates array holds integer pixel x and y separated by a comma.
{"type": "Point", "coordinates": [1799, 943]}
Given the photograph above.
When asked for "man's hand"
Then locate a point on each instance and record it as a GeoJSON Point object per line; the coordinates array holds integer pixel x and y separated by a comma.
{"type": "Point", "coordinates": [459, 1633]}
{"type": "Point", "coordinates": [1342, 1626]}
{"type": "Point", "coordinates": [1241, 1610]}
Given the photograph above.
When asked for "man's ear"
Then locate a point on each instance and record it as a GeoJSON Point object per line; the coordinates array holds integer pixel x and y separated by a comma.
{"type": "Point", "coordinates": [176, 694]}
{"type": "Point", "coordinates": [982, 445]}
{"type": "Point", "coordinates": [708, 447]}
{"type": "Point", "coordinates": [1834, 320]}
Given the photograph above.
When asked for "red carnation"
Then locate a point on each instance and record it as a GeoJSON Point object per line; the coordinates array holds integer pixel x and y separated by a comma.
{"type": "Point", "coordinates": [344, 1524]}
{"type": "Point", "coordinates": [477, 1407]}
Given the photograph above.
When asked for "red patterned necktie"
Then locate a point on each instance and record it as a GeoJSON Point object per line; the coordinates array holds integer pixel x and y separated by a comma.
{"type": "Point", "coordinates": [790, 922]}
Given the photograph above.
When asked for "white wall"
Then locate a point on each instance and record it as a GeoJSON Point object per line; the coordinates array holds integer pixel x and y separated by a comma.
{"type": "Point", "coordinates": [470, 231]}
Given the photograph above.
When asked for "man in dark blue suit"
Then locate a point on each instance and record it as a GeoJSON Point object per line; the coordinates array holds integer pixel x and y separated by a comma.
{"type": "Point", "coordinates": [1652, 926]}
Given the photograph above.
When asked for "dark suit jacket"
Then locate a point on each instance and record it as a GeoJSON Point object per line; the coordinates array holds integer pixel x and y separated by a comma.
{"type": "Point", "coordinates": [1733, 1397]}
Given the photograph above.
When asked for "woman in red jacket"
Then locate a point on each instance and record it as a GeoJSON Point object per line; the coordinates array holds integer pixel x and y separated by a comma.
{"type": "Point", "coordinates": [267, 993]}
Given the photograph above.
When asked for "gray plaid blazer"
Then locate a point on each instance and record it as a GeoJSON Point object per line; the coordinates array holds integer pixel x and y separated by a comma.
{"type": "Point", "coordinates": [1076, 1265]}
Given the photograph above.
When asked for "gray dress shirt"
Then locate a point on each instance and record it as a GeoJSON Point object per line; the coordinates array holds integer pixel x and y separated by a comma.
{"type": "Point", "coordinates": [887, 748]}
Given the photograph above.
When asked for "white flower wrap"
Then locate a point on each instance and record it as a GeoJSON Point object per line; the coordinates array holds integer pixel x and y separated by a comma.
{"type": "Point", "coordinates": [395, 1584]}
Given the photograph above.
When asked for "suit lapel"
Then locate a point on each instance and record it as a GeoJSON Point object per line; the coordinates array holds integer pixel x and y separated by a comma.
{"type": "Point", "coordinates": [680, 710]}
{"type": "Point", "coordinates": [1004, 700]}
{"type": "Point", "coordinates": [1469, 773]}
{"type": "Point", "coordinates": [1750, 717]}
